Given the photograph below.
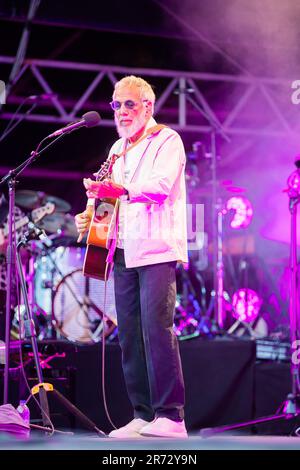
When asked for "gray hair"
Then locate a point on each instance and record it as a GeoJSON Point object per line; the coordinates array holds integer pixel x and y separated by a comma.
{"type": "Point", "coordinates": [145, 89]}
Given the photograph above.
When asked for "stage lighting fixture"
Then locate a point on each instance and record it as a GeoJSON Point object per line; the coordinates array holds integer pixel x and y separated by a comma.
{"type": "Point", "coordinates": [293, 183]}
{"type": "Point", "coordinates": [246, 304]}
{"type": "Point", "coordinates": [243, 211]}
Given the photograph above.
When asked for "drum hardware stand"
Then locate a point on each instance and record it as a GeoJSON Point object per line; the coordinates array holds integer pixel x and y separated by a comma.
{"type": "Point", "coordinates": [11, 179]}
{"type": "Point", "coordinates": [42, 388]}
{"type": "Point", "coordinates": [290, 408]}
{"type": "Point", "coordinates": [187, 286]}
{"type": "Point", "coordinates": [84, 303]}
{"type": "Point", "coordinates": [248, 326]}
{"type": "Point", "coordinates": [57, 269]}
{"type": "Point", "coordinates": [220, 277]}
{"type": "Point", "coordinates": [30, 282]}
{"type": "Point", "coordinates": [216, 128]}
{"type": "Point", "coordinates": [237, 324]}
{"type": "Point", "coordinates": [220, 265]}
{"type": "Point", "coordinates": [10, 260]}
{"type": "Point", "coordinates": [219, 292]}
{"type": "Point", "coordinates": [12, 254]}
{"type": "Point", "coordinates": [29, 330]}
{"type": "Point", "coordinates": [188, 292]}
{"type": "Point", "coordinates": [205, 324]}
{"type": "Point", "coordinates": [202, 290]}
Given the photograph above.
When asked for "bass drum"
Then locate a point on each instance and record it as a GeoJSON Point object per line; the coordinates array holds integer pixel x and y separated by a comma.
{"type": "Point", "coordinates": [50, 268]}
{"type": "Point", "coordinates": [82, 307]}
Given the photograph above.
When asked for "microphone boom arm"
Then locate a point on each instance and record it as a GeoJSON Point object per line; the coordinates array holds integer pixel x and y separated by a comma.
{"type": "Point", "coordinates": [34, 155]}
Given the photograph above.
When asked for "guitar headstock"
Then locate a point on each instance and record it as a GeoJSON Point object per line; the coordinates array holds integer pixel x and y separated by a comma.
{"type": "Point", "coordinates": [112, 161]}
{"type": "Point", "coordinates": [40, 212]}
{"type": "Point", "coordinates": [106, 168]}
{"type": "Point", "coordinates": [49, 208]}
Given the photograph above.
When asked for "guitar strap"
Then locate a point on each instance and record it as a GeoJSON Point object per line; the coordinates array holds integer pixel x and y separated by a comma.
{"type": "Point", "coordinates": [151, 131]}
{"type": "Point", "coordinates": [109, 264]}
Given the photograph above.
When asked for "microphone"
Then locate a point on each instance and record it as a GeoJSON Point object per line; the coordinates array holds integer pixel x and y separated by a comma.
{"type": "Point", "coordinates": [90, 119]}
{"type": "Point", "coordinates": [199, 151]}
{"type": "Point", "coordinates": [297, 162]}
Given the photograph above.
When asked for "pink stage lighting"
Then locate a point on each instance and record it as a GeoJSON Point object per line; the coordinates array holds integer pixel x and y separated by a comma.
{"type": "Point", "coordinates": [243, 211]}
{"type": "Point", "coordinates": [246, 304]}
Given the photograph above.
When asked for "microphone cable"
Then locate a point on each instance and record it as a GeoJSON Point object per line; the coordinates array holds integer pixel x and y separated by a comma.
{"type": "Point", "coordinates": [103, 350]}
{"type": "Point", "coordinates": [11, 124]}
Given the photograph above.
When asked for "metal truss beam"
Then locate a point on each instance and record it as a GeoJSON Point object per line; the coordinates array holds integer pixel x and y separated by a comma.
{"type": "Point", "coordinates": [172, 101]}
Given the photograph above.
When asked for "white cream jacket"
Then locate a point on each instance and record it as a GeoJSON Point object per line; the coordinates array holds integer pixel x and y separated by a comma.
{"type": "Point", "coordinates": [155, 212]}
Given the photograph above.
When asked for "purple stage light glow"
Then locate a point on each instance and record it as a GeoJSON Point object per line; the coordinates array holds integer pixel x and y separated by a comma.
{"type": "Point", "coordinates": [246, 305]}
{"type": "Point", "coordinates": [243, 211]}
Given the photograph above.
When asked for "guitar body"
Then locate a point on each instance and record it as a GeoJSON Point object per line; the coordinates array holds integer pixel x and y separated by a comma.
{"type": "Point", "coordinates": [96, 252]}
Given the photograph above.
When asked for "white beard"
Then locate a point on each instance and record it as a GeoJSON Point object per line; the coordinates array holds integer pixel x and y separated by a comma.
{"type": "Point", "coordinates": [127, 132]}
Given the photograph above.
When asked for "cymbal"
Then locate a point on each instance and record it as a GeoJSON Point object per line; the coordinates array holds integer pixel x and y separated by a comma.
{"type": "Point", "coordinates": [51, 223]}
{"type": "Point", "coordinates": [228, 186]}
{"type": "Point", "coordinates": [62, 224]}
{"type": "Point", "coordinates": [205, 190]}
{"type": "Point", "coordinates": [237, 245]}
{"type": "Point", "coordinates": [33, 199]}
{"type": "Point", "coordinates": [68, 228]}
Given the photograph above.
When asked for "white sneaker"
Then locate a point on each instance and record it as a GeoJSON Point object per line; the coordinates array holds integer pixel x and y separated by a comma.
{"type": "Point", "coordinates": [165, 427]}
{"type": "Point", "coordinates": [131, 430]}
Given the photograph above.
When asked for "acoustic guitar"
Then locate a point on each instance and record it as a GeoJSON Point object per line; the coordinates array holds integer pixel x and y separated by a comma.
{"type": "Point", "coordinates": [94, 264]}
{"type": "Point", "coordinates": [96, 251]}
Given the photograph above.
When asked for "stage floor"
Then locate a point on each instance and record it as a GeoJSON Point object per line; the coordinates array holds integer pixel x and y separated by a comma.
{"type": "Point", "coordinates": [225, 384]}
{"type": "Point", "coordinates": [86, 442]}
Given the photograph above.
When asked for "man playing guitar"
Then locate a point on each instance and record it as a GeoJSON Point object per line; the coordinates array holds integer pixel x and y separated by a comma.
{"type": "Point", "coordinates": [146, 237]}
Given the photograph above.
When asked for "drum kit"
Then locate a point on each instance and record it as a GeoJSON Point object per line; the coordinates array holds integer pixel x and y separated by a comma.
{"type": "Point", "coordinates": [204, 304]}
{"type": "Point", "coordinates": [64, 303]}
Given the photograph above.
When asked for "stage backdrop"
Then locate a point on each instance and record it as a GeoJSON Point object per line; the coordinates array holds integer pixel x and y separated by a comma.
{"type": "Point", "coordinates": [224, 384]}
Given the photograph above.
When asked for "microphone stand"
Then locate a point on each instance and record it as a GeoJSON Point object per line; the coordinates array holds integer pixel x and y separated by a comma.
{"type": "Point", "coordinates": [30, 332]}
{"type": "Point", "coordinates": [12, 125]}
{"type": "Point", "coordinates": [42, 388]}
{"type": "Point", "coordinates": [290, 408]}
{"type": "Point", "coordinates": [13, 254]}
{"type": "Point", "coordinates": [36, 100]}
{"type": "Point", "coordinates": [11, 179]}
{"type": "Point", "coordinates": [216, 128]}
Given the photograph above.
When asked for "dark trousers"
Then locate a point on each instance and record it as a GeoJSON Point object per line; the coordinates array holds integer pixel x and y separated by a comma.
{"type": "Point", "coordinates": [145, 304]}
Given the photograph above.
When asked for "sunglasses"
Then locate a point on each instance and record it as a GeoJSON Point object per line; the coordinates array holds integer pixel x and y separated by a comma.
{"type": "Point", "coordinates": [129, 104]}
